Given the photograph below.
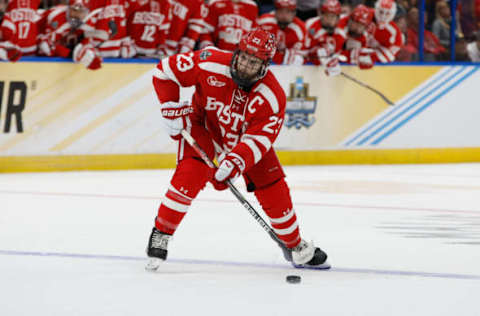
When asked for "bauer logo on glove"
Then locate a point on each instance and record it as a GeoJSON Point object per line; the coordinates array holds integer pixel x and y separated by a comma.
{"type": "Point", "coordinates": [173, 113]}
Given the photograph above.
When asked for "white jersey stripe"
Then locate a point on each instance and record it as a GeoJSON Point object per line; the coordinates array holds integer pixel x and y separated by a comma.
{"type": "Point", "coordinates": [216, 68]}
{"type": "Point", "coordinates": [297, 29]}
{"type": "Point", "coordinates": [6, 23]}
{"type": "Point", "coordinates": [269, 96]}
{"type": "Point", "coordinates": [29, 49]}
{"type": "Point", "coordinates": [387, 53]}
{"type": "Point", "coordinates": [196, 28]}
{"type": "Point", "coordinates": [257, 153]}
{"type": "Point", "coordinates": [266, 20]}
{"type": "Point", "coordinates": [157, 73]}
{"type": "Point", "coordinates": [264, 140]}
{"type": "Point", "coordinates": [168, 71]}
{"type": "Point", "coordinates": [380, 56]}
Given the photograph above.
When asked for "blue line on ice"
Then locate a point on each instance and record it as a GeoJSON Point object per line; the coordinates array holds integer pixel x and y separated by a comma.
{"type": "Point", "coordinates": [243, 264]}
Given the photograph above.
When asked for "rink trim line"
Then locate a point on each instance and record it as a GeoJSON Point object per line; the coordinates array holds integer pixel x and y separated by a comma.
{"type": "Point", "coordinates": [332, 156]}
{"type": "Point", "coordinates": [136, 197]}
{"type": "Point", "coordinates": [244, 264]}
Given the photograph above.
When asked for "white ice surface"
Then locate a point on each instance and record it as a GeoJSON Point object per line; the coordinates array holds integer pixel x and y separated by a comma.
{"type": "Point", "coordinates": [402, 240]}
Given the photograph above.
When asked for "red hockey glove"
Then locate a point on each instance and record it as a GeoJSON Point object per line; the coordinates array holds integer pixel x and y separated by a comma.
{"type": "Point", "coordinates": [174, 116]}
{"type": "Point", "coordinates": [228, 169]}
{"type": "Point", "coordinates": [62, 51]}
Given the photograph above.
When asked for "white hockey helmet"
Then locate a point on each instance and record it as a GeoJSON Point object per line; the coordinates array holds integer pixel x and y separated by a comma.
{"type": "Point", "coordinates": [385, 10]}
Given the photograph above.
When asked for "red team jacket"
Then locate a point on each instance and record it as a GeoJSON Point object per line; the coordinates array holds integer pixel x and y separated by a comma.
{"type": "Point", "coordinates": [187, 25]}
{"type": "Point", "coordinates": [148, 25]}
{"type": "Point", "coordinates": [243, 123]}
{"type": "Point", "coordinates": [24, 14]}
{"type": "Point", "coordinates": [291, 38]}
{"type": "Point", "coordinates": [227, 21]}
{"type": "Point", "coordinates": [9, 49]}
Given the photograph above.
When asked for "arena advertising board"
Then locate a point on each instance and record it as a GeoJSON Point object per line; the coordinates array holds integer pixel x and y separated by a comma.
{"type": "Point", "coordinates": [63, 110]}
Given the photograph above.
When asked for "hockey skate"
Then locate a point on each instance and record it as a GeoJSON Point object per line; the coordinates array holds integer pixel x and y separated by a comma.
{"type": "Point", "coordinates": [157, 249]}
{"type": "Point", "coordinates": [307, 256]}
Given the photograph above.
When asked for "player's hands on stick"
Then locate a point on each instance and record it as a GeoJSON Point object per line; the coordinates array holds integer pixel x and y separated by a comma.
{"type": "Point", "coordinates": [174, 117]}
{"type": "Point", "coordinates": [228, 169]}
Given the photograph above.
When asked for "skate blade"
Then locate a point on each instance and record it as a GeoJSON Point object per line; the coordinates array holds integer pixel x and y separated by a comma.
{"type": "Point", "coordinates": [324, 266]}
{"type": "Point", "coordinates": [153, 264]}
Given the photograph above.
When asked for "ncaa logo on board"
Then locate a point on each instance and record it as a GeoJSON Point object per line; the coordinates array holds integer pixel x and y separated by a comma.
{"type": "Point", "coordinates": [300, 106]}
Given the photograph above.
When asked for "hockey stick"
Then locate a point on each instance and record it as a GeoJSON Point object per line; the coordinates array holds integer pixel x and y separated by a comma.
{"type": "Point", "coordinates": [287, 253]}
{"type": "Point", "coordinates": [368, 87]}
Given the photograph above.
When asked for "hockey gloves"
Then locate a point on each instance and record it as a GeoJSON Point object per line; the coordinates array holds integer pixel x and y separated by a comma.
{"type": "Point", "coordinates": [362, 57]}
{"type": "Point", "coordinates": [86, 55]}
{"type": "Point", "coordinates": [332, 66]}
{"type": "Point", "coordinates": [174, 117]}
{"type": "Point", "coordinates": [227, 170]}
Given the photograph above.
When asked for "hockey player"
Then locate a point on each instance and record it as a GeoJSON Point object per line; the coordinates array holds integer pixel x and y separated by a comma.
{"type": "Point", "coordinates": [355, 47]}
{"type": "Point", "coordinates": [187, 25]}
{"type": "Point", "coordinates": [9, 49]}
{"type": "Point", "coordinates": [236, 113]}
{"type": "Point", "coordinates": [227, 21]}
{"type": "Point", "coordinates": [326, 38]}
{"type": "Point", "coordinates": [24, 14]}
{"type": "Point", "coordinates": [113, 17]}
{"type": "Point", "coordinates": [289, 32]}
{"type": "Point", "coordinates": [148, 26]}
{"type": "Point", "coordinates": [69, 33]}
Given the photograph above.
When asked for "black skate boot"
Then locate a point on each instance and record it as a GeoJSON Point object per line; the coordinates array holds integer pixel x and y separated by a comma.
{"type": "Point", "coordinates": [157, 249]}
{"type": "Point", "coordinates": [307, 256]}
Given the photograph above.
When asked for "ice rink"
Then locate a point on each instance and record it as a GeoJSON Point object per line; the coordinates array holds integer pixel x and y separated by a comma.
{"type": "Point", "coordinates": [402, 240]}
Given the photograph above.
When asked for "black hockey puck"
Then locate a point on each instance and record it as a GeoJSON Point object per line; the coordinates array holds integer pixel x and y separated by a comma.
{"type": "Point", "coordinates": [294, 279]}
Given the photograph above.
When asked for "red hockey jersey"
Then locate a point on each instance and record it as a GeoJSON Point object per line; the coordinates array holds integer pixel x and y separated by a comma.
{"type": "Point", "coordinates": [148, 25]}
{"type": "Point", "coordinates": [290, 40]}
{"type": "Point", "coordinates": [245, 124]}
{"type": "Point", "coordinates": [387, 41]}
{"type": "Point", "coordinates": [227, 21]}
{"type": "Point", "coordinates": [26, 18]}
{"type": "Point", "coordinates": [9, 49]}
{"type": "Point", "coordinates": [188, 23]}
{"type": "Point", "coordinates": [318, 38]}
{"type": "Point", "coordinates": [113, 18]}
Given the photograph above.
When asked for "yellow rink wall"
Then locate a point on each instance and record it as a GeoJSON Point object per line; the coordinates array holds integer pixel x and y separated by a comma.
{"type": "Point", "coordinates": [60, 116]}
